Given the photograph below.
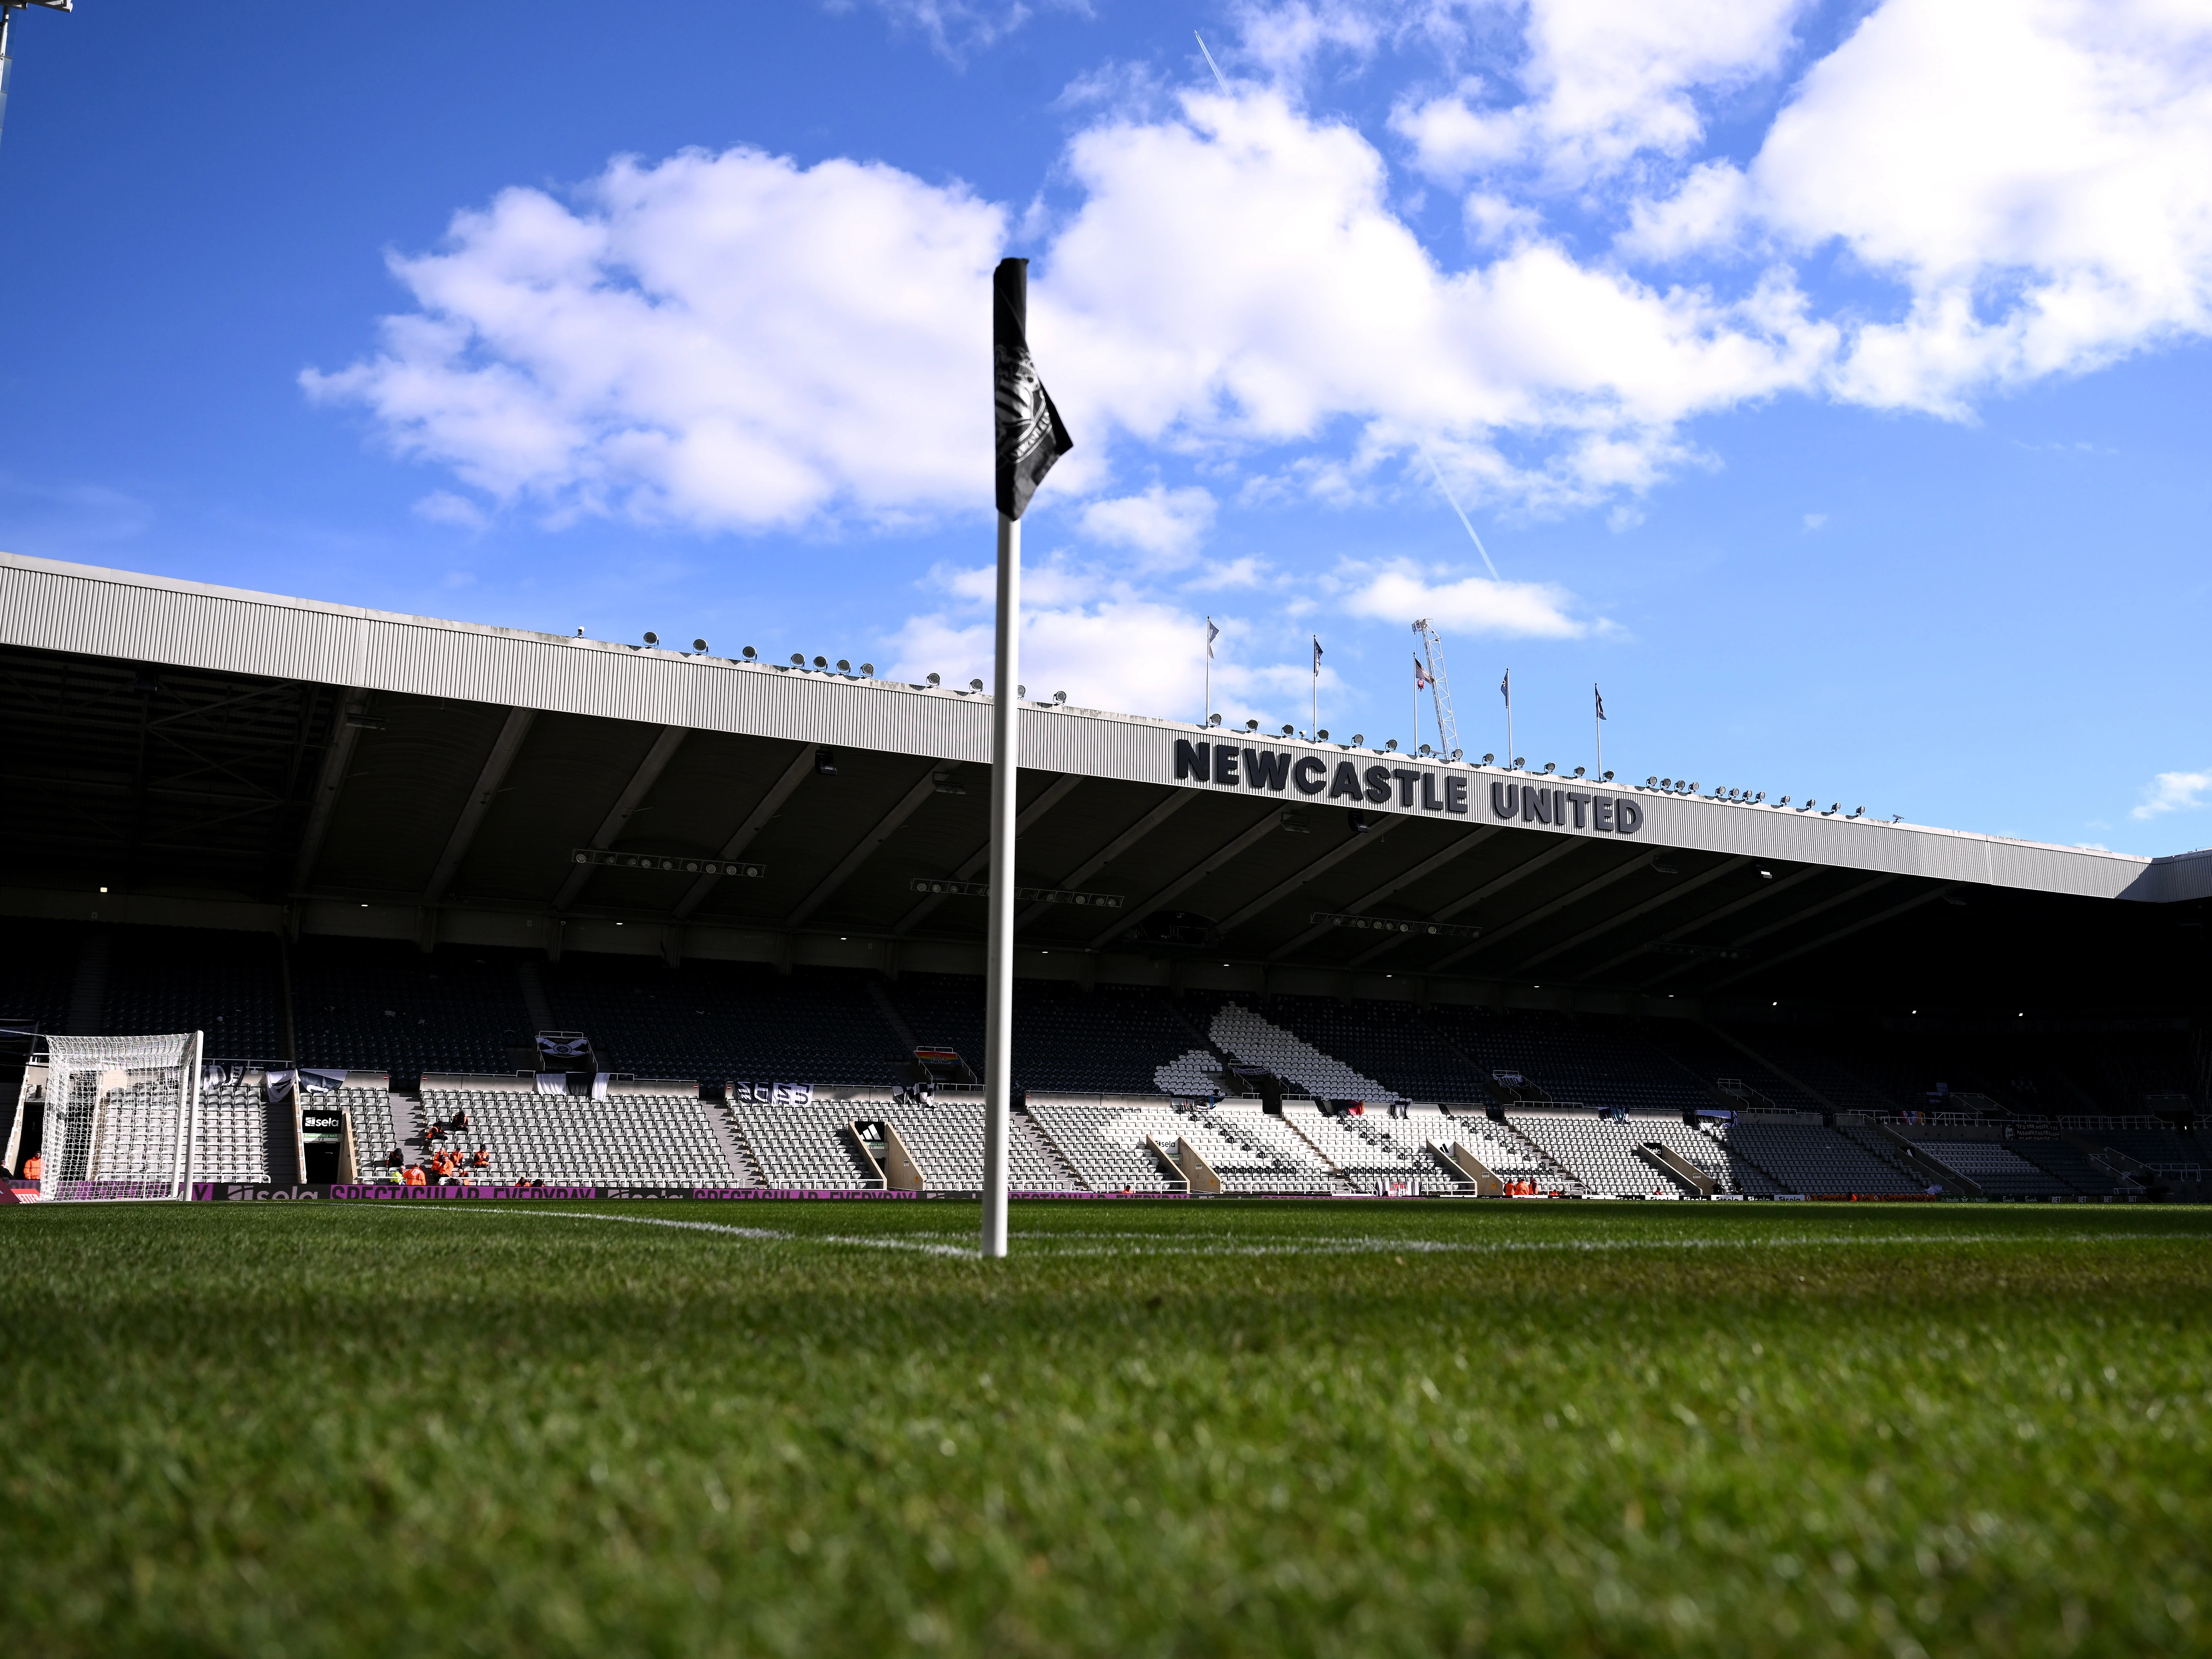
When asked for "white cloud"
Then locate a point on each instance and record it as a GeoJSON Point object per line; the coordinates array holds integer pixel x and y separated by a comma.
{"type": "Point", "coordinates": [1402, 591]}
{"type": "Point", "coordinates": [955, 28]}
{"type": "Point", "coordinates": [2032, 175]}
{"type": "Point", "coordinates": [1165, 525]}
{"type": "Point", "coordinates": [1106, 644]}
{"type": "Point", "coordinates": [2173, 791]}
{"type": "Point", "coordinates": [725, 341]}
{"type": "Point", "coordinates": [734, 342]}
{"type": "Point", "coordinates": [1815, 520]}
{"type": "Point", "coordinates": [444, 506]}
{"type": "Point", "coordinates": [1602, 82]}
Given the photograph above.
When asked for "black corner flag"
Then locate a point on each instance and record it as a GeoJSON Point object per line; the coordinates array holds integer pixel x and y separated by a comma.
{"type": "Point", "coordinates": [1030, 436]}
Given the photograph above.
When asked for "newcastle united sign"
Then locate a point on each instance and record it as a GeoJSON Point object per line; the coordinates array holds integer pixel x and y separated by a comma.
{"type": "Point", "coordinates": [1409, 788]}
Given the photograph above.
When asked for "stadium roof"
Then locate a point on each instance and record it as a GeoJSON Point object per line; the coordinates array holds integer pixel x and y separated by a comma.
{"type": "Point", "coordinates": [188, 754]}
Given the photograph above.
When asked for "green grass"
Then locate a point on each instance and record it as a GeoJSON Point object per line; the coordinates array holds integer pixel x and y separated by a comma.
{"type": "Point", "coordinates": [1193, 1428]}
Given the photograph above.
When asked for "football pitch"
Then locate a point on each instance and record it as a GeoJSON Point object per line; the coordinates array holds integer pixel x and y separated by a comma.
{"type": "Point", "coordinates": [1160, 1429]}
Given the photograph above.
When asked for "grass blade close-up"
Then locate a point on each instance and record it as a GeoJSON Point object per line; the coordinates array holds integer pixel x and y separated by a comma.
{"type": "Point", "coordinates": [1157, 1429]}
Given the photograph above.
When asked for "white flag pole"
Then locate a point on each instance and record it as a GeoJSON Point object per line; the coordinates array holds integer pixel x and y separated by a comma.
{"type": "Point", "coordinates": [999, 994]}
{"type": "Point", "coordinates": [1597, 725]}
{"type": "Point", "coordinates": [1206, 716]}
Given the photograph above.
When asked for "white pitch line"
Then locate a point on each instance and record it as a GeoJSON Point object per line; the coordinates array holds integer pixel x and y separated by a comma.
{"type": "Point", "coordinates": [1358, 1246]}
{"type": "Point", "coordinates": [771, 1234]}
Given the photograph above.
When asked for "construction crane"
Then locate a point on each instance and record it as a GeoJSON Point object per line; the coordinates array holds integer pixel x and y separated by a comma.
{"type": "Point", "coordinates": [1432, 656]}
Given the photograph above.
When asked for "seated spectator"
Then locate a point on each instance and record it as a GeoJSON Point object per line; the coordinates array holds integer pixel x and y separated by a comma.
{"type": "Point", "coordinates": [482, 1160]}
{"type": "Point", "coordinates": [415, 1177]}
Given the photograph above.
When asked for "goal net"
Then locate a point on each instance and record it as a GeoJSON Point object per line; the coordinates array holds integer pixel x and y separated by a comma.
{"type": "Point", "coordinates": [119, 1116]}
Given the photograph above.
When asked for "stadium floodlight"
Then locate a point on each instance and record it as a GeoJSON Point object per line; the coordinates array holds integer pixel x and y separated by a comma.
{"type": "Point", "coordinates": [1391, 744]}
{"type": "Point", "coordinates": [602, 856]}
{"type": "Point", "coordinates": [868, 669]}
{"type": "Point", "coordinates": [822, 662]}
{"type": "Point", "coordinates": [1394, 925]}
{"type": "Point", "coordinates": [1459, 754]}
{"type": "Point", "coordinates": [798, 660]}
{"type": "Point", "coordinates": [1214, 719]}
{"type": "Point", "coordinates": [700, 646]}
{"type": "Point", "coordinates": [931, 680]}
{"type": "Point", "coordinates": [1578, 771]}
{"type": "Point", "coordinates": [1289, 731]}
{"type": "Point", "coordinates": [1858, 811]}
{"type": "Point", "coordinates": [1357, 739]}
{"type": "Point", "coordinates": [1251, 725]}
{"type": "Point", "coordinates": [1021, 690]}
{"type": "Point", "coordinates": [1651, 783]}
{"type": "Point", "coordinates": [1060, 696]}
{"type": "Point", "coordinates": [1550, 767]}
{"type": "Point", "coordinates": [844, 665]}
{"type": "Point", "coordinates": [1666, 783]}
{"type": "Point", "coordinates": [975, 685]}
{"type": "Point", "coordinates": [1609, 777]}
{"type": "Point", "coordinates": [1424, 749]}
{"type": "Point", "coordinates": [749, 655]}
{"type": "Point", "coordinates": [1323, 735]}
{"type": "Point", "coordinates": [951, 889]}
{"type": "Point", "coordinates": [1520, 761]}
{"type": "Point", "coordinates": [651, 638]}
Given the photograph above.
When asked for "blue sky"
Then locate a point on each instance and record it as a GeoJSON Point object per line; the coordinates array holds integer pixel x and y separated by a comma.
{"type": "Point", "coordinates": [1828, 382]}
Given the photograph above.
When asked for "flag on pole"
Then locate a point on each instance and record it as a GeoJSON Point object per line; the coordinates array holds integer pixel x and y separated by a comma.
{"type": "Point", "coordinates": [1316, 662]}
{"type": "Point", "coordinates": [1420, 676]}
{"type": "Point", "coordinates": [1506, 687]}
{"type": "Point", "coordinates": [1212, 634]}
{"type": "Point", "coordinates": [1600, 695]}
{"type": "Point", "coordinates": [1030, 436]}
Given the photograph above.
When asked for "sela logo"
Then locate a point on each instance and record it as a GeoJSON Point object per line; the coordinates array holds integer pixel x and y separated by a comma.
{"type": "Point", "coordinates": [1229, 766]}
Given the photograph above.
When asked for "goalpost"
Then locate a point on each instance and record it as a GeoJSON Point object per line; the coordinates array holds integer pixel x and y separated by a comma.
{"type": "Point", "coordinates": [121, 1114]}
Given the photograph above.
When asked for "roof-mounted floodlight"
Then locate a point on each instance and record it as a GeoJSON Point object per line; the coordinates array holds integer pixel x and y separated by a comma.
{"type": "Point", "coordinates": [1060, 696]}
{"type": "Point", "coordinates": [1520, 761]}
{"type": "Point", "coordinates": [1550, 767]}
{"type": "Point", "coordinates": [651, 638]}
{"type": "Point", "coordinates": [1214, 719]}
{"type": "Point", "coordinates": [1289, 730]}
{"type": "Point", "coordinates": [1251, 725]}
{"type": "Point", "coordinates": [1609, 777]}
{"type": "Point", "coordinates": [749, 655]}
{"type": "Point", "coordinates": [932, 679]}
{"type": "Point", "coordinates": [1578, 771]}
{"type": "Point", "coordinates": [1358, 738]}
{"type": "Point", "coordinates": [798, 660]}
{"type": "Point", "coordinates": [1490, 760]}
{"type": "Point", "coordinates": [1459, 754]}
{"type": "Point", "coordinates": [975, 685]}
{"type": "Point", "coordinates": [1322, 735]}
{"type": "Point", "coordinates": [868, 669]}
{"type": "Point", "coordinates": [1021, 690]}
{"type": "Point", "coordinates": [1424, 749]}
{"type": "Point", "coordinates": [700, 646]}
{"type": "Point", "coordinates": [822, 662]}
{"type": "Point", "coordinates": [1651, 783]}
{"type": "Point", "coordinates": [1390, 744]}
{"type": "Point", "coordinates": [844, 666]}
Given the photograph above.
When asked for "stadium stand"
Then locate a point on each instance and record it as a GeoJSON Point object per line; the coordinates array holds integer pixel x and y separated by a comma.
{"type": "Point", "coordinates": [1808, 1158]}
{"type": "Point", "coordinates": [656, 1134]}
{"type": "Point", "coordinates": [230, 1141]}
{"type": "Point", "coordinates": [945, 1138]}
{"type": "Point", "coordinates": [1251, 1039]}
{"type": "Point", "coordinates": [806, 1146]}
{"type": "Point", "coordinates": [1602, 1153]}
{"type": "Point", "coordinates": [1990, 1167]}
{"type": "Point", "coordinates": [1366, 1159]}
{"type": "Point", "coordinates": [1590, 1061]}
{"type": "Point", "coordinates": [38, 966]}
{"type": "Point", "coordinates": [382, 1005]}
{"type": "Point", "coordinates": [227, 986]}
{"type": "Point", "coordinates": [1102, 1138]}
{"type": "Point", "coordinates": [723, 1021]}
{"type": "Point", "coordinates": [1109, 1041]}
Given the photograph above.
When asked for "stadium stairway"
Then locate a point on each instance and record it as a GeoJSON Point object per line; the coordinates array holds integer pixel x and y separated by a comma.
{"type": "Point", "coordinates": [1046, 1152]}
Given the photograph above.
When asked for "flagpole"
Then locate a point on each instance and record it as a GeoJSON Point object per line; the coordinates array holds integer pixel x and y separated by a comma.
{"type": "Point", "coordinates": [1509, 717]}
{"type": "Point", "coordinates": [1597, 727]}
{"type": "Point", "coordinates": [1313, 731]}
{"type": "Point", "coordinates": [999, 994]}
{"type": "Point", "coordinates": [1205, 715]}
